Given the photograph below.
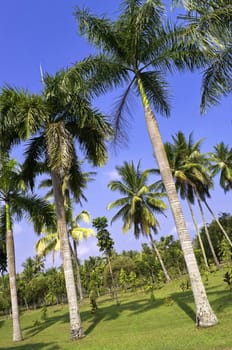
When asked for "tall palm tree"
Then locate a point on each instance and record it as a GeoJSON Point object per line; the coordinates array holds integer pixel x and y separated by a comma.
{"type": "Point", "coordinates": [137, 50]}
{"type": "Point", "coordinates": [210, 23]}
{"type": "Point", "coordinates": [15, 203]}
{"type": "Point", "coordinates": [57, 119]}
{"type": "Point", "coordinates": [138, 204]}
{"type": "Point", "coordinates": [192, 178]}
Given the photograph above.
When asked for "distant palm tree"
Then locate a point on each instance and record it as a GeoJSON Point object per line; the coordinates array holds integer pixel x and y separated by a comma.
{"type": "Point", "coordinates": [138, 204]}
{"type": "Point", "coordinates": [189, 167]}
{"type": "Point", "coordinates": [59, 119]}
{"type": "Point", "coordinates": [137, 50]}
{"type": "Point", "coordinates": [50, 242]}
{"type": "Point", "coordinates": [16, 203]}
{"type": "Point", "coordinates": [221, 160]}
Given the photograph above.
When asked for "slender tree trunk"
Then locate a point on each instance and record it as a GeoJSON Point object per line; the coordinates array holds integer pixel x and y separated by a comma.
{"type": "Point", "coordinates": [17, 334]}
{"type": "Point", "coordinates": [156, 251]}
{"type": "Point", "coordinates": [205, 316]}
{"type": "Point", "coordinates": [113, 282]}
{"type": "Point", "coordinates": [208, 236]}
{"type": "Point", "coordinates": [74, 315]}
{"type": "Point", "coordinates": [198, 234]}
{"type": "Point", "coordinates": [218, 222]}
{"type": "Point", "coordinates": [79, 286]}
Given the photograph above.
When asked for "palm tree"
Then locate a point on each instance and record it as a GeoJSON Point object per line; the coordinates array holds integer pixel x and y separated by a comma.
{"type": "Point", "coordinates": [221, 163]}
{"type": "Point", "coordinates": [186, 172]}
{"type": "Point", "coordinates": [50, 242]}
{"type": "Point", "coordinates": [138, 204]}
{"type": "Point", "coordinates": [57, 119]}
{"type": "Point", "coordinates": [15, 203]}
{"type": "Point", "coordinates": [209, 23]}
{"type": "Point", "coordinates": [137, 50]}
{"type": "Point", "coordinates": [192, 179]}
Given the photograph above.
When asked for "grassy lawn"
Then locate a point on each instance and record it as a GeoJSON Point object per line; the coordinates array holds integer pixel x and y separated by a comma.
{"type": "Point", "coordinates": [137, 323]}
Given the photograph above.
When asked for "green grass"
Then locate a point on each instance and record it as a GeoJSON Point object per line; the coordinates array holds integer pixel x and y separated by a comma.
{"type": "Point", "coordinates": [136, 324]}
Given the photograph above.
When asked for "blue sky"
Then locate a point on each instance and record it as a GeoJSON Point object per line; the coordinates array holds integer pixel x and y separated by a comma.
{"type": "Point", "coordinates": [35, 33]}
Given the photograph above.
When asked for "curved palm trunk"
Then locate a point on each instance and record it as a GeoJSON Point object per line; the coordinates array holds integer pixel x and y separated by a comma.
{"type": "Point", "coordinates": [17, 334]}
{"type": "Point", "coordinates": [157, 253]}
{"type": "Point", "coordinates": [74, 315]}
{"type": "Point", "coordinates": [208, 236]}
{"type": "Point", "coordinates": [205, 316]}
{"type": "Point", "coordinates": [218, 222]}
{"type": "Point", "coordinates": [79, 286]}
{"type": "Point", "coordinates": [198, 234]}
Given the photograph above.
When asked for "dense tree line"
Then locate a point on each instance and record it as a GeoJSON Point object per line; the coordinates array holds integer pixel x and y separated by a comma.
{"type": "Point", "coordinates": [131, 270]}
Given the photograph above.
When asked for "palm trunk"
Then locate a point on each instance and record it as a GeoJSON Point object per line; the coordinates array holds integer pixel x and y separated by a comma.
{"type": "Point", "coordinates": [208, 236]}
{"type": "Point", "coordinates": [205, 316]}
{"type": "Point", "coordinates": [17, 334]}
{"type": "Point", "coordinates": [113, 282]}
{"type": "Point", "coordinates": [218, 222]}
{"type": "Point", "coordinates": [198, 234]}
{"type": "Point", "coordinates": [74, 315]}
{"type": "Point", "coordinates": [79, 286]}
{"type": "Point", "coordinates": [156, 251]}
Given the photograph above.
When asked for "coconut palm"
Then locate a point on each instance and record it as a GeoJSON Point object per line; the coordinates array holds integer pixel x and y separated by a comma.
{"type": "Point", "coordinates": [221, 163]}
{"type": "Point", "coordinates": [61, 116]}
{"type": "Point", "coordinates": [192, 178]}
{"type": "Point", "coordinates": [137, 50]}
{"type": "Point", "coordinates": [210, 23]}
{"type": "Point", "coordinates": [138, 204]}
{"type": "Point", "coordinates": [50, 241]}
{"type": "Point", "coordinates": [16, 203]}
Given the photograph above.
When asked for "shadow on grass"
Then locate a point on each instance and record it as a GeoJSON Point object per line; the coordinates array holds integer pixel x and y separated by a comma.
{"type": "Point", "coordinates": [1, 323]}
{"type": "Point", "coordinates": [183, 299]}
{"type": "Point", "coordinates": [113, 311]}
{"type": "Point", "coordinates": [35, 346]}
{"type": "Point", "coordinates": [221, 300]}
{"type": "Point", "coordinates": [50, 321]}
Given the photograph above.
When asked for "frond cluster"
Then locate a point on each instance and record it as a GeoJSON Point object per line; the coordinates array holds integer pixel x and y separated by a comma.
{"type": "Point", "coordinates": [140, 200]}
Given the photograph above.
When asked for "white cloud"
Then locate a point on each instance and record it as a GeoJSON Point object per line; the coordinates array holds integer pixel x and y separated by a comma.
{"type": "Point", "coordinates": [87, 248]}
{"type": "Point", "coordinates": [112, 175]}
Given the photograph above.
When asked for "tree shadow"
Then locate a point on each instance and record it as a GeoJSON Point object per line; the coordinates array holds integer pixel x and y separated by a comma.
{"type": "Point", "coordinates": [35, 346]}
{"type": "Point", "coordinates": [113, 311]}
{"type": "Point", "coordinates": [182, 300]}
{"type": "Point", "coordinates": [221, 300]}
{"type": "Point", "coordinates": [41, 325]}
{"type": "Point", "coordinates": [1, 323]}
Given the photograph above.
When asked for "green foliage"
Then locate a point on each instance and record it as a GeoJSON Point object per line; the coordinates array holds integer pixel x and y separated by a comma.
{"type": "Point", "coordinates": [168, 301]}
{"type": "Point", "coordinates": [44, 311]}
{"type": "Point", "coordinates": [105, 242]}
{"type": "Point", "coordinates": [185, 285]}
{"type": "Point", "coordinates": [147, 325]}
{"type": "Point", "coordinates": [149, 289]}
{"type": "Point", "coordinates": [140, 200]}
{"type": "Point", "coordinates": [228, 279]}
{"type": "Point", "coordinates": [217, 236]}
{"type": "Point", "coordinates": [123, 279]}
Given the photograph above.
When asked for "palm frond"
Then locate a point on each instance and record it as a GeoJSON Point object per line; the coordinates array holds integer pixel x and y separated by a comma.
{"type": "Point", "coordinates": [156, 90]}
